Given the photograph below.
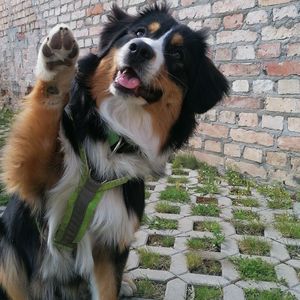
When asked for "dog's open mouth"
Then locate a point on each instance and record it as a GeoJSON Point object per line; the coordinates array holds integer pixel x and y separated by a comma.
{"type": "Point", "coordinates": [128, 82]}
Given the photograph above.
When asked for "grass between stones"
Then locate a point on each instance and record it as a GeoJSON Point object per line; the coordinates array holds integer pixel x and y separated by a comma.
{"type": "Point", "coordinates": [250, 228]}
{"type": "Point", "coordinates": [180, 172]}
{"type": "Point", "coordinates": [207, 188]}
{"type": "Point", "coordinates": [206, 243]}
{"type": "Point", "coordinates": [175, 194]}
{"type": "Point", "coordinates": [245, 215]}
{"type": "Point", "coordinates": [206, 293]}
{"type": "Point", "coordinates": [150, 289]}
{"type": "Point", "coordinates": [207, 226]}
{"type": "Point", "coordinates": [166, 208]}
{"type": "Point", "coordinates": [211, 210]}
{"type": "Point", "coordinates": [278, 196]}
{"type": "Point", "coordinates": [247, 202]}
{"type": "Point", "coordinates": [240, 191]}
{"type": "Point", "coordinates": [254, 246]}
{"type": "Point", "coordinates": [161, 240]}
{"type": "Point", "coordinates": [273, 294]}
{"type": "Point", "coordinates": [255, 269]}
{"type": "Point", "coordinates": [177, 180]}
{"type": "Point", "coordinates": [294, 251]}
{"type": "Point", "coordinates": [288, 225]}
{"type": "Point", "coordinates": [162, 224]}
{"type": "Point", "coordinates": [152, 260]}
{"type": "Point", "coordinates": [196, 264]}
{"type": "Point", "coordinates": [147, 194]}
{"type": "Point", "coordinates": [3, 196]}
{"type": "Point", "coordinates": [187, 161]}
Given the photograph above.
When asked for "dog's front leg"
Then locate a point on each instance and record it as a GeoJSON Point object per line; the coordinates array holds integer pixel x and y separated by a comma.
{"type": "Point", "coordinates": [32, 158]}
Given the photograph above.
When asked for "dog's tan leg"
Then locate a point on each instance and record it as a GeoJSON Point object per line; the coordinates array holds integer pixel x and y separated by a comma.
{"type": "Point", "coordinates": [105, 277]}
{"type": "Point", "coordinates": [13, 276]}
{"type": "Point", "coordinates": [31, 158]}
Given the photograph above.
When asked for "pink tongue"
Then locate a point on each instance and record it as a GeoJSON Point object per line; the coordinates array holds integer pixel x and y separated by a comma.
{"type": "Point", "coordinates": [126, 81]}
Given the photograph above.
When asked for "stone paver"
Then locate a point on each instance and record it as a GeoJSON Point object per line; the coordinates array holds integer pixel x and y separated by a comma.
{"type": "Point", "coordinates": [178, 279]}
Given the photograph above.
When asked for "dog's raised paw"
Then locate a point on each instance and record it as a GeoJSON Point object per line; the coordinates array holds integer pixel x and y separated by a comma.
{"type": "Point", "coordinates": [58, 51]}
{"type": "Point", "coordinates": [128, 288]}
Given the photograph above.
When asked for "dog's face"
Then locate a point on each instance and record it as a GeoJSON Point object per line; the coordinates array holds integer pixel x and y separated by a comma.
{"type": "Point", "coordinates": [152, 59]}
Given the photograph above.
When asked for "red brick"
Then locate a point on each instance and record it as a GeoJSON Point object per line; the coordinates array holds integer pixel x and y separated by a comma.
{"type": "Point", "coordinates": [232, 69]}
{"type": "Point", "coordinates": [247, 168]}
{"type": "Point", "coordinates": [251, 137]}
{"type": "Point", "coordinates": [268, 50]}
{"type": "Point", "coordinates": [253, 154]}
{"type": "Point", "coordinates": [95, 30]}
{"type": "Point", "coordinates": [283, 68]}
{"type": "Point", "coordinates": [248, 119]}
{"type": "Point", "coordinates": [224, 37]}
{"type": "Point", "coordinates": [289, 143]}
{"type": "Point", "coordinates": [272, 2]}
{"type": "Point", "coordinates": [294, 124]}
{"type": "Point", "coordinates": [232, 150]}
{"type": "Point", "coordinates": [212, 146]}
{"type": "Point", "coordinates": [289, 105]}
{"type": "Point", "coordinates": [187, 2]}
{"type": "Point", "coordinates": [195, 142]}
{"type": "Point", "coordinates": [223, 54]}
{"type": "Point", "coordinates": [227, 117]}
{"type": "Point", "coordinates": [209, 158]}
{"type": "Point", "coordinates": [225, 6]}
{"type": "Point", "coordinates": [212, 23]}
{"type": "Point", "coordinates": [293, 49]}
{"type": "Point", "coordinates": [217, 131]}
{"type": "Point", "coordinates": [95, 10]}
{"type": "Point", "coordinates": [241, 101]}
{"type": "Point", "coordinates": [276, 159]}
{"type": "Point", "coordinates": [233, 21]}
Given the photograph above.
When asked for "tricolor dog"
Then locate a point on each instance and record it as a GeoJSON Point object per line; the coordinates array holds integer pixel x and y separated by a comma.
{"type": "Point", "coordinates": [78, 153]}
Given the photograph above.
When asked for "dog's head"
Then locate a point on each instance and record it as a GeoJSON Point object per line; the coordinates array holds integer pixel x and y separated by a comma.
{"type": "Point", "coordinates": [153, 60]}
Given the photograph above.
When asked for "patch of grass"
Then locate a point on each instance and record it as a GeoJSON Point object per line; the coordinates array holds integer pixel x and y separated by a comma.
{"type": "Point", "coordinates": [294, 251]}
{"type": "Point", "coordinates": [240, 192]}
{"type": "Point", "coordinates": [4, 198]}
{"type": "Point", "coordinates": [236, 179]}
{"type": "Point", "coordinates": [179, 172]}
{"type": "Point", "coordinates": [145, 220]}
{"type": "Point", "coordinates": [211, 226]}
{"type": "Point", "coordinates": [273, 294]}
{"type": "Point", "coordinates": [187, 161]}
{"type": "Point", "coordinates": [196, 264]}
{"type": "Point", "coordinates": [297, 196]}
{"type": "Point", "coordinates": [254, 246]}
{"type": "Point", "coordinates": [166, 208]}
{"type": "Point", "coordinates": [247, 202]}
{"type": "Point", "coordinates": [150, 289]}
{"type": "Point", "coordinates": [177, 180]}
{"type": "Point", "coordinates": [161, 224]}
{"type": "Point", "coordinates": [208, 293]}
{"type": "Point", "coordinates": [152, 260]}
{"type": "Point", "coordinates": [252, 228]}
{"type": "Point", "coordinates": [245, 215]}
{"type": "Point", "coordinates": [211, 210]}
{"type": "Point", "coordinates": [206, 243]}
{"type": "Point", "coordinates": [206, 200]}
{"type": "Point", "coordinates": [288, 225]}
{"type": "Point", "coordinates": [278, 196]}
{"type": "Point", "coordinates": [208, 188]}
{"type": "Point", "coordinates": [255, 269]}
{"type": "Point", "coordinates": [161, 240]}
{"type": "Point", "coordinates": [207, 173]}
{"type": "Point", "coordinates": [175, 194]}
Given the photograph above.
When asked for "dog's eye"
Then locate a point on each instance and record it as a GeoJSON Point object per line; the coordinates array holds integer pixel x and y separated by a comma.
{"type": "Point", "coordinates": [140, 32]}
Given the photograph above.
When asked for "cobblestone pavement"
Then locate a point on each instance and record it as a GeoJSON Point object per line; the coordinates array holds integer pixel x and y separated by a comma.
{"type": "Point", "coordinates": [180, 283]}
{"type": "Point", "coordinates": [176, 281]}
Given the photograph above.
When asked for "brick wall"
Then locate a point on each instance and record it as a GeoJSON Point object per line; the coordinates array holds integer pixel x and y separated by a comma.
{"type": "Point", "coordinates": [255, 43]}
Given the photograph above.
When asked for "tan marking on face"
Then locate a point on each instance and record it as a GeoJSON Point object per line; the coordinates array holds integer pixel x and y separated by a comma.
{"type": "Point", "coordinates": [177, 39]}
{"type": "Point", "coordinates": [153, 27]}
{"type": "Point", "coordinates": [103, 77]}
{"type": "Point", "coordinates": [166, 111]}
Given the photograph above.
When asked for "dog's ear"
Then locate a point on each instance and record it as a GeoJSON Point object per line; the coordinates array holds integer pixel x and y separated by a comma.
{"type": "Point", "coordinates": [209, 85]}
{"type": "Point", "coordinates": [117, 24]}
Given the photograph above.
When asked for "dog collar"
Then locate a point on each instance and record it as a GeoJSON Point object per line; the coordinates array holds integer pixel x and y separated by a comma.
{"type": "Point", "coordinates": [83, 202]}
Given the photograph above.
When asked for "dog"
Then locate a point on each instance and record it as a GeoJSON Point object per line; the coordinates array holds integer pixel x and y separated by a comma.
{"type": "Point", "coordinates": [108, 122]}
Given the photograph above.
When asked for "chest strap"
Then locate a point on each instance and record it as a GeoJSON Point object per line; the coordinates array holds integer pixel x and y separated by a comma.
{"type": "Point", "coordinates": [83, 202]}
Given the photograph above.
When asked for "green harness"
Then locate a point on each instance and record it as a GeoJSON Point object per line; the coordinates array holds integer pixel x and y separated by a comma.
{"type": "Point", "coordinates": [82, 204]}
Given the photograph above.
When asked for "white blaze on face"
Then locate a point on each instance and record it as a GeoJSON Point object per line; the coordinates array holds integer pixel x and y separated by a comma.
{"type": "Point", "coordinates": [155, 64]}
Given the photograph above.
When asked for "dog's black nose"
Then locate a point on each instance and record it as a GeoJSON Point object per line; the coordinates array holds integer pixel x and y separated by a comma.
{"type": "Point", "coordinates": [141, 51]}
